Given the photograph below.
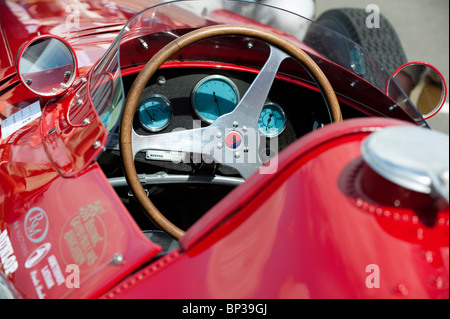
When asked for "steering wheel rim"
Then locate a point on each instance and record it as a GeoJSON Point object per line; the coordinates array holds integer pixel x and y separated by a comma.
{"type": "Point", "coordinates": [126, 129]}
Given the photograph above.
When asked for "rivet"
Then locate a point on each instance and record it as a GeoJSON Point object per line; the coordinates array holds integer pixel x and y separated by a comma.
{"type": "Point", "coordinates": [97, 144]}
{"type": "Point", "coordinates": [438, 282]}
{"type": "Point", "coordinates": [359, 202]}
{"type": "Point", "coordinates": [429, 257]}
{"type": "Point", "coordinates": [420, 234]}
{"type": "Point", "coordinates": [117, 259]}
{"type": "Point", "coordinates": [161, 80]}
{"type": "Point", "coordinates": [401, 289]}
{"type": "Point", "coordinates": [144, 44]}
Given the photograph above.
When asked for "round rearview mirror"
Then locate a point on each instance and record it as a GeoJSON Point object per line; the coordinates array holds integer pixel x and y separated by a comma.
{"type": "Point", "coordinates": [424, 85]}
{"type": "Point", "coordinates": [47, 65]}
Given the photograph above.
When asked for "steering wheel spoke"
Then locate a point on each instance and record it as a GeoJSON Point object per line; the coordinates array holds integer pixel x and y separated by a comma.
{"type": "Point", "coordinates": [247, 112]}
{"type": "Point", "coordinates": [238, 148]}
{"type": "Point", "coordinates": [242, 143]}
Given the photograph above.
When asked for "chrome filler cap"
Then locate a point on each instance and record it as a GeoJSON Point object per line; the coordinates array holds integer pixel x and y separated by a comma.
{"type": "Point", "coordinates": [412, 157]}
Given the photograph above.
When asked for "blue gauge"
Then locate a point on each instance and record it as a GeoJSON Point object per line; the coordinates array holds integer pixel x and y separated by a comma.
{"type": "Point", "coordinates": [214, 96]}
{"type": "Point", "coordinates": [272, 120]}
{"type": "Point", "coordinates": [155, 113]}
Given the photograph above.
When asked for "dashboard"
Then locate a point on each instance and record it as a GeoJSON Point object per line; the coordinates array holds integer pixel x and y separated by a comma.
{"type": "Point", "coordinates": [184, 98]}
{"type": "Point", "coordinates": [191, 97]}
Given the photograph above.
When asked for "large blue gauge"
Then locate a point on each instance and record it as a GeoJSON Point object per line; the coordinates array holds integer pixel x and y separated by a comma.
{"type": "Point", "coordinates": [214, 96]}
{"type": "Point", "coordinates": [272, 120]}
{"type": "Point", "coordinates": [155, 113]}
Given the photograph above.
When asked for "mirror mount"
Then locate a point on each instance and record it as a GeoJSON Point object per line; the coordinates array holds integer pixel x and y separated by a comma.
{"type": "Point", "coordinates": [47, 65]}
{"type": "Point", "coordinates": [424, 84]}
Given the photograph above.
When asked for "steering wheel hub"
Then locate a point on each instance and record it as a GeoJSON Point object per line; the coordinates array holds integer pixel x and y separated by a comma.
{"type": "Point", "coordinates": [233, 140]}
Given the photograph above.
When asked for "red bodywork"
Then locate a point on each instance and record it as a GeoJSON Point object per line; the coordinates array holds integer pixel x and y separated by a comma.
{"type": "Point", "coordinates": [315, 229]}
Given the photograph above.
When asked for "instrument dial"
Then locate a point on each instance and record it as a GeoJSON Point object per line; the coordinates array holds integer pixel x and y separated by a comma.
{"type": "Point", "coordinates": [155, 113]}
{"type": "Point", "coordinates": [214, 96]}
{"type": "Point", "coordinates": [272, 120]}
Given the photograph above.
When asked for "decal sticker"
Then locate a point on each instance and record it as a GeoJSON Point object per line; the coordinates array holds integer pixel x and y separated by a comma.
{"type": "Point", "coordinates": [20, 119]}
{"type": "Point", "coordinates": [83, 237]}
{"type": "Point", "coordinates": [234, 140]}
{"type": "Point", "coordinates": [47, 277]}
{"type": "Point", "coordinates": [37, 284]}
{"type": "Point", "coordinates": [37, 255]}
{"type": "Point", "coordinates": [17, 231]}
{"type": "Point", "coordinates": [7, 257]}
{"type": "Point", "coordinates": [36, 225]}
{"type": "Point", "coordinates": [168, 156]}
{"type": "Point", "coordinates": [56, 270]}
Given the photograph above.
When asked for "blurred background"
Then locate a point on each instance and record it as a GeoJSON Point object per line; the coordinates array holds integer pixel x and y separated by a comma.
{"type": "Point", "coordinates": [423, 29]}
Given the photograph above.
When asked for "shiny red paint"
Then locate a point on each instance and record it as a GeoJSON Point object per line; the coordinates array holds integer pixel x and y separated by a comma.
{"type": "Point", "coordinates": [22, 20]}
{"type": "Point", "coordinates": [73, 134]}
{"type": "Point", "coordinates": [310, 214]}
{"type": "Point", "coordinates": [19, 19]}
{"type": "Point", "coordinates": [316, 211]}
{"type": "Point", "coordinates": [85, 227]}
{"type": "Point", "coordinates": [6, 60]}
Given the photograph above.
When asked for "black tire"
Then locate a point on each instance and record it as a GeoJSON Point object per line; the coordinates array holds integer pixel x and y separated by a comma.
{"type": "Point", "coordinates": [383, 42]}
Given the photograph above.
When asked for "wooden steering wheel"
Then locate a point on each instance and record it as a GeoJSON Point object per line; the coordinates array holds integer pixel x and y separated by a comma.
{"type": "Point", "coordinates": [246, 113]}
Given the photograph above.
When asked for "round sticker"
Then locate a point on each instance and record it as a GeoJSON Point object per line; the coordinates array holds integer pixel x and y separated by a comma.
{"type": "Point", "coordinates": [233, 140]}
{"type": "Point", "coordinates": [36, 225]}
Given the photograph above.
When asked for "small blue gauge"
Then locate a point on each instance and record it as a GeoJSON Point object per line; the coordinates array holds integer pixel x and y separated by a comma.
{"type": "Point", "coordinates": [272, 120]}
{"type": "Point", "coordinates": [155, 113]}
{"type": "Point", "coordinates": [214, 96]}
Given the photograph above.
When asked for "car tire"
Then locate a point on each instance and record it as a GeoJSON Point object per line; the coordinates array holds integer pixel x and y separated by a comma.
{"type": "Point", "coordinates": [382, 42]}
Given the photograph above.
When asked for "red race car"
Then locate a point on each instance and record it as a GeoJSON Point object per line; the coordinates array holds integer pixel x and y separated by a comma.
{"type": "Point", "coordinates": [188, 149]}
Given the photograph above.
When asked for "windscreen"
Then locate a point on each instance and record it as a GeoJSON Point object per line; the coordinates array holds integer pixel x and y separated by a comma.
{"type": "Point", "coordinates": [148, 31]}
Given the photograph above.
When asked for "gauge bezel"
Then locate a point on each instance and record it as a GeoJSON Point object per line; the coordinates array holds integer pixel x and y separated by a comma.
{"type": "Point", "coordinates": [150, 128]}
{"type": "Point", "coordinates": [208, 78]}
{"type": "Point", "coordinates": [272, 135]}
